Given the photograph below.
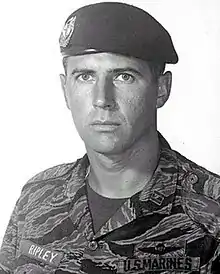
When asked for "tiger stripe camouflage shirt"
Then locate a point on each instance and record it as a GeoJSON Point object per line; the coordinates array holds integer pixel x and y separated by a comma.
{"type": "Point", "coordinates": [171, 226]}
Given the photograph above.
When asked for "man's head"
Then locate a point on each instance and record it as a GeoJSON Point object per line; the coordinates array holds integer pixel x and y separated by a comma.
{"type": "Point", "coordinates": [114, 73]}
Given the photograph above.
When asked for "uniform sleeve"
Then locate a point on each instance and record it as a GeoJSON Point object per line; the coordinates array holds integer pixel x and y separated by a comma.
{"type": "Point", "coordinates": [9, 245]}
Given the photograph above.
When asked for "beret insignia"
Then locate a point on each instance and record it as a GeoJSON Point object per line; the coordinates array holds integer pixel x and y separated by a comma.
{"type": "Point", "coordinates": [67, 32]}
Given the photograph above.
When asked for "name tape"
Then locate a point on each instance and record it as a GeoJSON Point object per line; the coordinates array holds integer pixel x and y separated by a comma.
{"type": "Point", "coordinates": [40, 253]}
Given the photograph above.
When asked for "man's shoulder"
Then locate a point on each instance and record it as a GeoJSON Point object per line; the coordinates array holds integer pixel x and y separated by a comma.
{"type": "Point", "coordinates": [199, 192]}
{"type": "Point", "coordinates": [53, 178]}
{"type": "Point", "coordinates": [49, 186]}
{"type": "Point", "coordinates": [197, 178]}
{"type": "Point", "coordinates": [51, 173]}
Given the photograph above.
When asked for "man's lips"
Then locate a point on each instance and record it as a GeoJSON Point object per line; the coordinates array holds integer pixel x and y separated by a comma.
{"type": "Point", "coordinates": [105, 123]}
{"type": "Point", "coordinates": [105, 126]}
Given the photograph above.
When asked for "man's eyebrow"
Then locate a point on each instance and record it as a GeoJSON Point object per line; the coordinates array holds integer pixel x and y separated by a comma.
{"type": "Point", "coordinates": [116, 70]}
{"type": "Point", "coordinates": [128, 69]}
{"type": "Point", "coordinates": [83, 70]}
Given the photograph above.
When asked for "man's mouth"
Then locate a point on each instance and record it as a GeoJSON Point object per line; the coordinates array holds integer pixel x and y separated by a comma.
{"type": "Point", "coordinates": [105, 125]}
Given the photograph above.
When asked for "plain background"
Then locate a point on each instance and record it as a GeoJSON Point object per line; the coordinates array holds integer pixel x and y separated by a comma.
{"type": "Point", "coordinates": [36, 128]}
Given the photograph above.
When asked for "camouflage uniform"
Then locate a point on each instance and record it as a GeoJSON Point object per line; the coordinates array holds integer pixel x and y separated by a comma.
{"type": "Point", "coordinates": [172, 226]}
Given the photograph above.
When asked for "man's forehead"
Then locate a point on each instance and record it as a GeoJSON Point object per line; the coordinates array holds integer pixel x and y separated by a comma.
{"type": "Point", "coordinates": [105, 60]}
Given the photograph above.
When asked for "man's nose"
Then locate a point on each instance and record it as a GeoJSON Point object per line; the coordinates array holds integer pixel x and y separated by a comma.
{"type": "Point", "coordinates": [103, 94]}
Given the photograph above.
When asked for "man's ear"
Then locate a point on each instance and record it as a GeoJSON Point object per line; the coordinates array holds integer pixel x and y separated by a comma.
{"type": "Point", "coordinates": [164, 88]}
{"type": "Point", "coordinates": [63, 85]}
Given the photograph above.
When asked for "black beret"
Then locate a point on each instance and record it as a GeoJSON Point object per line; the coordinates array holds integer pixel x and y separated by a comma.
{"type": "Point", "coordinates": [118, 28]}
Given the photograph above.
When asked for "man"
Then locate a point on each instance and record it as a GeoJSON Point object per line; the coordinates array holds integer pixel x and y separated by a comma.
{"type": "Point", "coordinates": [131, 204]}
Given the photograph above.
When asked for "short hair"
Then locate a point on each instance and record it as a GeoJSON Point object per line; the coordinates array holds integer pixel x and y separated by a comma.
{"type": "Point", "coordinates": [157, 69]}
{"type": "Point", "coordinates": [65, 64]}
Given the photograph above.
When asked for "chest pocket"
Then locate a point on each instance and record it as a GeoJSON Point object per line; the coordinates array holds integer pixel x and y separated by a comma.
{"type": "Point", "coordinates": [33, 258]}
{"type": "Point", "coordinates": [165, 256]}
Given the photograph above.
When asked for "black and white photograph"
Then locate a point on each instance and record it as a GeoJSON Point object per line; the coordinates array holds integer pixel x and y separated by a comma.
{"type": "Point", "coordinates": [110, 137]}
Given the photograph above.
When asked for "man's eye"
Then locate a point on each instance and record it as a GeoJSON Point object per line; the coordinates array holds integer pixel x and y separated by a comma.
{"type": "Point", "coordinates": [125, 77]}
{"type": "Point", "coordinates": [85, 77]}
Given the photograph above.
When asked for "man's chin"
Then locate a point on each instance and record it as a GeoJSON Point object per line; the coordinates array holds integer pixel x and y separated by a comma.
{"type": "Point", "coordinates": [105, 148]}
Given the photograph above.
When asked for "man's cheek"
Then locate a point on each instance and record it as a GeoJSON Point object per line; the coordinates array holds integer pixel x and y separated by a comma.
{"type": "Point", "coordinates": [78, 105]}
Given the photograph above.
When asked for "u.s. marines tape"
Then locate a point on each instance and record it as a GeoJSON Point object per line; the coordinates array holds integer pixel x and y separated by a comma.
{"type": "Point", "coordinates": [40, 253]}
{"type": "Point", "coordinates": [159, 263]}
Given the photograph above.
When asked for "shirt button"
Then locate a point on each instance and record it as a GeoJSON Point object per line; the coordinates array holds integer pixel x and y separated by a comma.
{"type": "Point", "coordinates": [93, 245]}
{"type": "Point", "coordinates": [192, 178]}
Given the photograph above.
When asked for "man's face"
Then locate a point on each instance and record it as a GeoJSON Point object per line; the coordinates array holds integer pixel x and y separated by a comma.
{"type": "Point", "coordinates": [113, 100]}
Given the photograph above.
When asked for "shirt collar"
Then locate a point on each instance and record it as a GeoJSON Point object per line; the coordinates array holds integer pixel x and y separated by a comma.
{"type": "Point", "coordinates": [157, 195]}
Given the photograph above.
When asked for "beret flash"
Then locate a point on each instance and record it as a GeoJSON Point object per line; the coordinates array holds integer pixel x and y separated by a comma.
{"type": "Point", "coordinates": [117, 28]}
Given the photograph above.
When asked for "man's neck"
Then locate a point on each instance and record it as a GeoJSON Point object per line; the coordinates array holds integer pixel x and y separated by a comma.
{"type": "Point", "coordinates": [123, 175]}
